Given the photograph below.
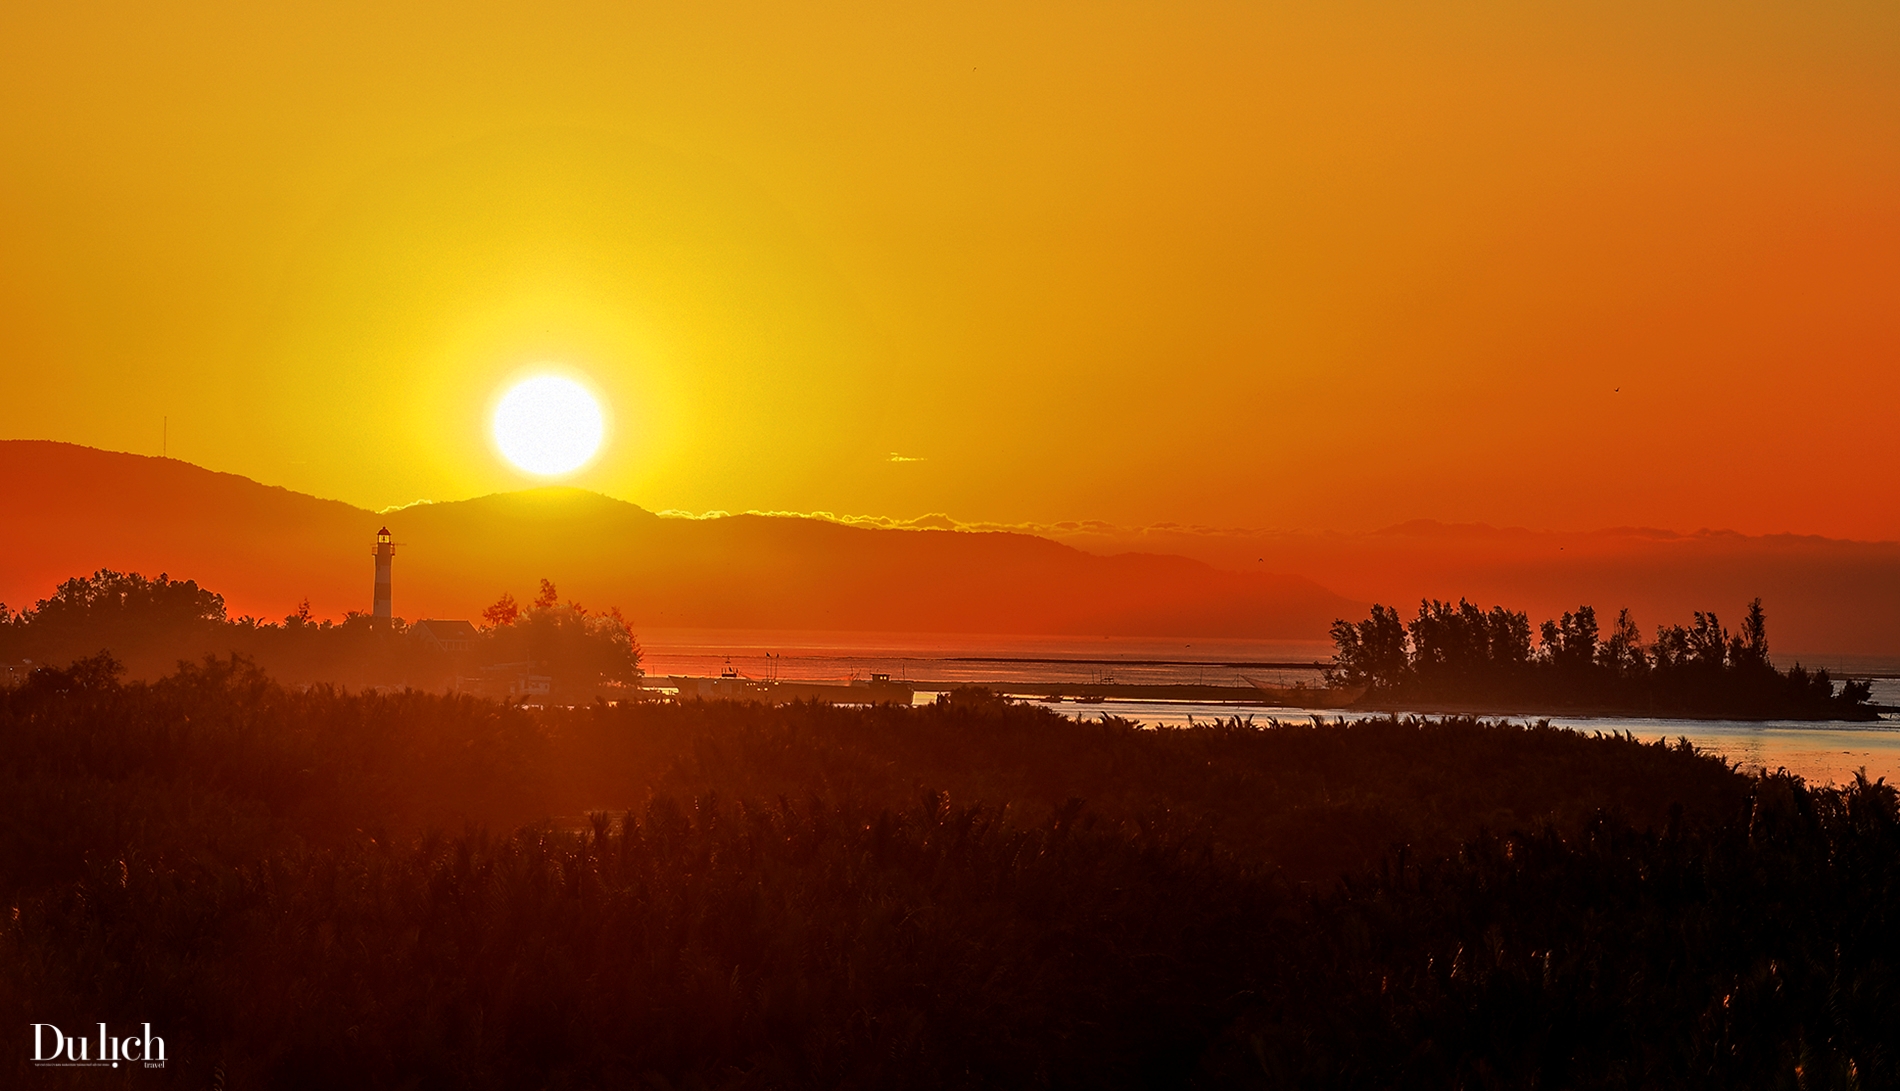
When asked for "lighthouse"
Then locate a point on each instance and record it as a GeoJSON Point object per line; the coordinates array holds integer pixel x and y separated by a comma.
{"type": "Point", "coordinates": [385, 549]}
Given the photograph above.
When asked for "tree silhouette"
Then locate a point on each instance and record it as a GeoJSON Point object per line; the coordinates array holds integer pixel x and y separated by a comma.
{"type": "Point", "coordinates": [1464, 656]}
{"type": "Point", "coordinates": [503, 612]}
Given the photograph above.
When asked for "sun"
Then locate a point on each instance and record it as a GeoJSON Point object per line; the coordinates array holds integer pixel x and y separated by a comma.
{"type": "Point", "coordinates": [548, 425]}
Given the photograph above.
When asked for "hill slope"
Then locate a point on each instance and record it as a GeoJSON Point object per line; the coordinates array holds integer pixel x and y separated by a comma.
{"type": "Point", "coordinates": [266, 548]}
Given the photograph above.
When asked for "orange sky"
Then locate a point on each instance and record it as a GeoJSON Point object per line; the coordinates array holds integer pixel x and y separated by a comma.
{"type": "Point", "coordinates": [1268, 265]}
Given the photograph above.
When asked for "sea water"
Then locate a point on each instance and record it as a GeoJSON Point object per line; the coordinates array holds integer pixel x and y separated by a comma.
{"type": "Point", "coordinates": [1820, 753]}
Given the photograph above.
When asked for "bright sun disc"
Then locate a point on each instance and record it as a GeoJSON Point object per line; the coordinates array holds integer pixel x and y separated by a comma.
{"type": "Point", "coordinates": [548, 425]}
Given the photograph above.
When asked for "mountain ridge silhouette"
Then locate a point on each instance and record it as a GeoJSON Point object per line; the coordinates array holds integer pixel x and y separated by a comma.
{"type": "Point", "coordinates": [266, 548]}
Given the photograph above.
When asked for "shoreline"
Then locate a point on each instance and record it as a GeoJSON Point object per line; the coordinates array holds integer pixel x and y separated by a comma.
{"type": "Point", "coordinates": [1597, 712]}
{"type": "Point", "coordinates": [1235, 695]}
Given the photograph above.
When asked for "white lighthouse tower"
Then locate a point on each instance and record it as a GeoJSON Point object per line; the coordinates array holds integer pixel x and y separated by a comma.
{"type": "Point", "coordinates": [385, 549]}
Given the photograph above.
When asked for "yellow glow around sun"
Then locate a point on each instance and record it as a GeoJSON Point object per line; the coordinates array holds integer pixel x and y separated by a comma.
{"type": "Point", "coordinates": [548, 425]}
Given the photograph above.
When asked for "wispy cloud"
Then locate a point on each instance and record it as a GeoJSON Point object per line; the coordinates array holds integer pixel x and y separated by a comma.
{"type": "Point", "coordinates": [938, 520]}
{"type": "Point", "coordinates": [895, 457]}
{"type": "Point", "coordinates": [716, 513]}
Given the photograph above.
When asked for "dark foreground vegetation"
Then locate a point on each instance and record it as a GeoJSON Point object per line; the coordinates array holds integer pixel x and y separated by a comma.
{"type": "Point", "coordinates": [149, 625]}
{"type": "Point", "coordinates": [318, 889]}
{"type": "Point", "coordinates": [1464, 657]}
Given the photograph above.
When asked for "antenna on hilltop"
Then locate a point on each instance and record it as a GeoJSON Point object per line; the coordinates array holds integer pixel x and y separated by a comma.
{"type": "Point", "coordinates": [165, 439]}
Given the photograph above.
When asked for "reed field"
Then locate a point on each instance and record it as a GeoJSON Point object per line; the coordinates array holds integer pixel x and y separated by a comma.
{"type": "Point", "coordinates": [323, 889]}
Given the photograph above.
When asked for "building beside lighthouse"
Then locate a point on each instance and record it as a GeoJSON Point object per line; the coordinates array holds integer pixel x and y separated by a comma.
{"type": "Point", "coordinates": [385, 550]}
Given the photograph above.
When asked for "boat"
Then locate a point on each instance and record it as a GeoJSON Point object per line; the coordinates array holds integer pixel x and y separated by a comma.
{"type": "Point", "coordinates": [880, 689]}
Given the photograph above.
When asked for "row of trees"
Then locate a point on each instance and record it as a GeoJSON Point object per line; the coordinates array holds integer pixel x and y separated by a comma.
{"type": "Point", "coordinates": [150, 625]}
{"type": "Point", "coordinates": [583, 651]}
{"type": "Point", "coordinates": [1459, 653]}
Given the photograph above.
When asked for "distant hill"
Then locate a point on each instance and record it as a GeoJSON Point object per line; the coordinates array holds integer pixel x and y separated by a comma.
{"type": "Point", "coordinates": [76, 509]}
{"type": "Point", "coordinates": [1829, 600]}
